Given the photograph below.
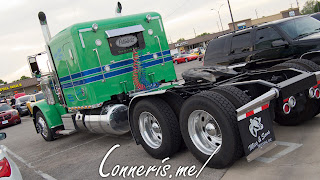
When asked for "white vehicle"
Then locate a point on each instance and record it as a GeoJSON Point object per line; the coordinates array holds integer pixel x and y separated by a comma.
{"type": "Point", "coordinates": [8, 169]}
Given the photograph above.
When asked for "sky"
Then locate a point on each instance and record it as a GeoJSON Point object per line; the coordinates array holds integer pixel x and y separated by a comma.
{"type": "Point", "coordinates": [21, 35]}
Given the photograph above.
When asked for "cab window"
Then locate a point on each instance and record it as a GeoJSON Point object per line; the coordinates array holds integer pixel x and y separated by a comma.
{"type": "Point", "coordinates": [265, 37]}
{"type": "Point", "coordinates": [126, 43]}
{"type": "Point", "coordinates": [241, 43]}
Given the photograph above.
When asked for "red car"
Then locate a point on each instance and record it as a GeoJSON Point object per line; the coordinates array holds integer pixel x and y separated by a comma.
{"type": "Point", "coordinates": [184, 58]}
{"type": "Point", "coordinates": [8, 115]}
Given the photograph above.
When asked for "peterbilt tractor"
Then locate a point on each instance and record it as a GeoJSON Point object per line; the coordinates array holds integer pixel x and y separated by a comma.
{"type": "Point", "coordinates": [116, 75]}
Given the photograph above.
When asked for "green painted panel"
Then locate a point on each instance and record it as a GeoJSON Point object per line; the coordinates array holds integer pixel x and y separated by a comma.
{"type": "Point", "coordinates": [52, 113]}
{"type": "Point", "coordinates": [87, 88]}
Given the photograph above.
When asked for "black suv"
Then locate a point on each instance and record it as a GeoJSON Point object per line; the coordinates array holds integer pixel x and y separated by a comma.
{"type": "Point", "coordinates": [267, 44]}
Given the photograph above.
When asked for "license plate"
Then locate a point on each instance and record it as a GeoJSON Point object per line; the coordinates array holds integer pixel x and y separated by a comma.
{"type": "Point", "coordinates": [5, 122]}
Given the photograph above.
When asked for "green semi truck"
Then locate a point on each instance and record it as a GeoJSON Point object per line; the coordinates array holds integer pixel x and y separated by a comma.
{"type": "Point", "coordinates": [116, 75]}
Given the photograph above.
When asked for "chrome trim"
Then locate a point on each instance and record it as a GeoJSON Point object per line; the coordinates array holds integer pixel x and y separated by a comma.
{"type": "Point", "coordinates": [112, 119]}
{"type": "Point", "coordinates": [156, 17]}
{"type": "Point", "coordinates": [55, 76]}
{"type": "Point", "coordinates": [81, 37]}
{"type": "Point", "coordinates": [311, 52]}
{"type": "Point", "coordinates": [261, 100]}
{"type": "Point", "coordinates": [104, 78]}
{"type": "Point", "coordinates": [284, 106]}
{"type": "Point", "coordinates": [81, 40]}
{"type": "Point", "coordinates": [123, 31]}
{"type": "Point", "coordinates": [85, 30]}
{"type": "Point", "coordinates": [150, 130]}
{"type": "Point", "coordinates": [317, 75]}
{"type": "Point", "coordinates": [311, 92]}
{"type": "Point", "coordinates": [160, 25]}
{"type": "Point", "coordinates": [292, 101]}
{"type": "Point", "coordinates": [157, 37]}
{"type": "Point", "coordinates": [204, 131]}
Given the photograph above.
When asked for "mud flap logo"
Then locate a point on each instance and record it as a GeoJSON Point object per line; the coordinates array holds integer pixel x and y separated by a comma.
{"type": "Point", "coordinates": [255, 126]}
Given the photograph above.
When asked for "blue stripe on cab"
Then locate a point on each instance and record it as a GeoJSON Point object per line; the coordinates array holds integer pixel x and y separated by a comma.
{"type": "Point", "coordinates": [113, 73]}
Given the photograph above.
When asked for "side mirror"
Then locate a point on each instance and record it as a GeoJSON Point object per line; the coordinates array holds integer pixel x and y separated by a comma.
{"type": "Point", "coordinates": [35, 71]}
{"type": "Point", "coordinates": [278, 43]}
{"type": "Point", "coordinates": [3, 136]}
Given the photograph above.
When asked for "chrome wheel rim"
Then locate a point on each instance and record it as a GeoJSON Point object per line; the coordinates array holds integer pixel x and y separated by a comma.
{"type": "Point", "coordinates": [43, 127]}
{"type": "Point", "coordinates": [204, 131]}
{"type": "Point", "coordinates": [150, 130]}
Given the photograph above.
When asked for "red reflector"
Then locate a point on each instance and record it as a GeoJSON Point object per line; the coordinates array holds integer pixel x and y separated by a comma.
{"type": "Point", "coordinates": [317, 93]}
{"type": "Point", "coordinates": [266, 106]}
{"type": "Point", "coordinates": [285, 100]}
{"type": "Point", "coordinates": [250, 113]}
{"type": "Point", "coordinates": [5, 170]}
{"type": "Point", "coordinates": [286, 108]}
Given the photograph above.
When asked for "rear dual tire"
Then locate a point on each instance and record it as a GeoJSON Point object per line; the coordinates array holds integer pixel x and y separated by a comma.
{"type": "Point", "coordinates": [209, 121]}
{"type": "Point", "coordinates": [156, 127]}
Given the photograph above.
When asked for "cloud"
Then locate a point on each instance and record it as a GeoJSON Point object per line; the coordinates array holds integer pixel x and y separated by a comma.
{"type": "Point", "coordinates": [23, 71]}
{"type": "Point", "coordinates": [23, 47]}
{"type": "Point", "coordinates": [7, 5]}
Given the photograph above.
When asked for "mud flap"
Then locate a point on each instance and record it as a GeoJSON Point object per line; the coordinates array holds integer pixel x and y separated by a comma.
{"type": "Point", "coordinates": [256, 131]}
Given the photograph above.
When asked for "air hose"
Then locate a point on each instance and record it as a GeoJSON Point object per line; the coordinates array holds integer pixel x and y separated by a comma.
{"type": "Point", "coordinates": [141, 83]}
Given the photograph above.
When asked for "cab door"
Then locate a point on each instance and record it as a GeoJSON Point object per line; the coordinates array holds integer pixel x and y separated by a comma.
{"type": "Point", "coordinates": [72, 63]}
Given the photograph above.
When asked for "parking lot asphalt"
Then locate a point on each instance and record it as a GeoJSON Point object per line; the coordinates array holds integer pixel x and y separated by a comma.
{"type": "Point", "coordinates": [80, 155]}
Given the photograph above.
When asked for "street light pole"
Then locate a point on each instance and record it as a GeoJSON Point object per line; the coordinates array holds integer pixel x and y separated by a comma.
{"type": "Point", "coordinates": [219, 15]}
{"type": "Point", "coordinates": [234, 27]}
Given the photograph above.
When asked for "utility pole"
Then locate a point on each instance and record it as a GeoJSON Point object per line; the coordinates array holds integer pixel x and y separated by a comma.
{"type": "Point", "coordinates": [195, 35]}
{"type": "Point", "coordinates": [256, 13]}
{"type": "Point", "coordinates": [218, 26]}
{"type": "Point", "coordinates": [219, 15]}
{"type": "Point", "coordinates": [234, 27]}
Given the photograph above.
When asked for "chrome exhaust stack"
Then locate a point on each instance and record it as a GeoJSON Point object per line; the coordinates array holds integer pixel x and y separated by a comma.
{"type": "Point", "coordinates": [44, 27]}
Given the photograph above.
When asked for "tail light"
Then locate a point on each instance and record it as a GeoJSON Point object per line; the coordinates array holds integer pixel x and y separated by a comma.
{"type": "Point", "coordinates": [317, 93]}
{"type": "Point", "coordinates": [286, 108]}
{"type": "Point", "coordinates": [311, 92]}
{"type": "Point", "coordinates": [5, 170]}
{"type": "Point", "coordinates": [292, 101]}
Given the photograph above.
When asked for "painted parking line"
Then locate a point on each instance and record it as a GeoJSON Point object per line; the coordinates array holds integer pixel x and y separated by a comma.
{"type": "Point", "coordinates": [68, 149]}
{"type": "Point", "coordinates": [40, 173]}
{"type": "Point", "coordinates": [290, 147]}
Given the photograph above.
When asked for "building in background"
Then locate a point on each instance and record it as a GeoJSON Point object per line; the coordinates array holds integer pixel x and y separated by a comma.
{"type": "Point", "coordinates": [189, 44]}
{"type": "Point", "coordinates": [250, 22]}
{"type": "Point", "coordinates": [28, 86]}
{"type": "Point", "coordinates": [202, 41]}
